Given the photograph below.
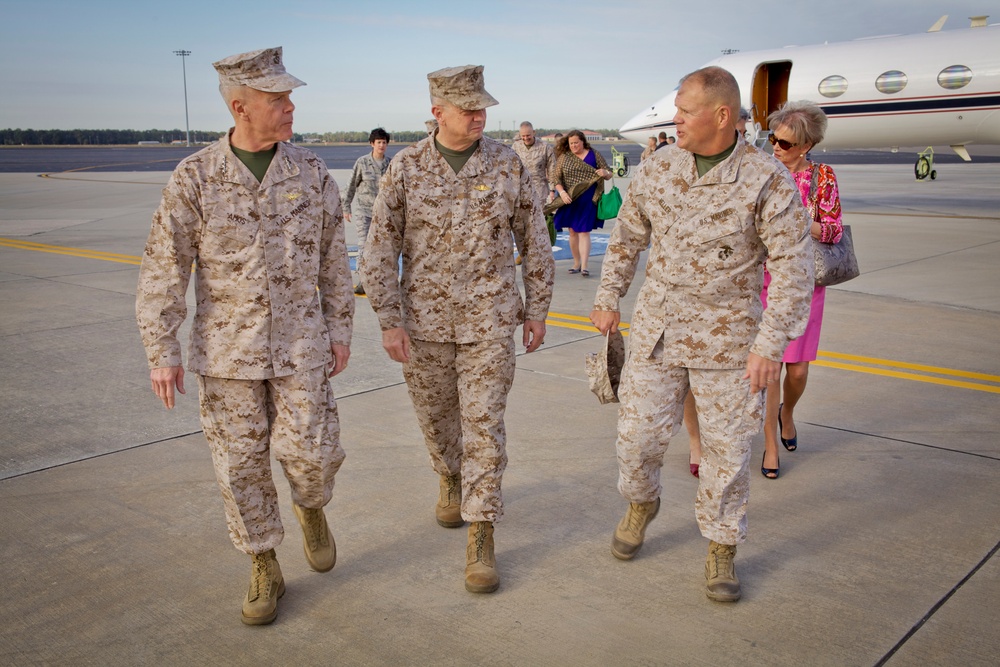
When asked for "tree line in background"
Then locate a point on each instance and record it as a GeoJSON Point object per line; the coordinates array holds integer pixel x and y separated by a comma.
{"type": "Point", "coordinates": [410, 137]}
{"type": "Point", "coordinates": [19, 137]}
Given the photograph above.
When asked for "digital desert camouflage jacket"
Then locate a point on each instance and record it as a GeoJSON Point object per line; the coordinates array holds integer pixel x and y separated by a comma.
{"type": "Point", "coordinates": [260, 251]}
{"type": "Point", "coordinates": [540, 159]}
{"type": "Point", "coordinates": [364, 184]}
{"type": "Point", "coordinates": [709, 238]}
{"type": "Point", "coordinates": [453, 232]}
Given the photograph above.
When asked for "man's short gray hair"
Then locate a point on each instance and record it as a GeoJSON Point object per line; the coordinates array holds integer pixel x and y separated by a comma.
{"type": "Point", "coordinates": [230, 91]}
{"type": "Point", "coordinates": [719, 85]}
{"type": "Point", "coordinates": [527, 125]}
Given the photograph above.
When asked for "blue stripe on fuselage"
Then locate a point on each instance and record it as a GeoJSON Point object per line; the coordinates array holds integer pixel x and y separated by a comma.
{"type": "Point", "coordinates": [915, 105]}
{"type": "Point", "coordinates": [990, 101]}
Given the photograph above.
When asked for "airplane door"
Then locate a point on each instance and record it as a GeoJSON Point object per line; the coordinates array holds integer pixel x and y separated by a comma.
{"type": "Point", "coordinates": [770, 89]}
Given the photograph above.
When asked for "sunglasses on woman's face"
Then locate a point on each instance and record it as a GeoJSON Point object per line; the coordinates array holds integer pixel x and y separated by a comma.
{"type": "Point", "coordinates": [785, 145]}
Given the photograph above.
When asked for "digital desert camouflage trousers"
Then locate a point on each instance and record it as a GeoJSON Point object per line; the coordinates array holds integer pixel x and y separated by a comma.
{"type": "Point", "coordinates": [459, 392]}
{"type": "Point", "coordinates": [296, 417]}
{"type": "Point", "coordinates": [652, 407]}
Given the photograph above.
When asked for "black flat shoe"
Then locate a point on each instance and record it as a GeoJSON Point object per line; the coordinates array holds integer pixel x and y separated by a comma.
{"type": "Point", "coordinates": [770, 473]}
{"type": "Point", "coordinates": [791, 444]}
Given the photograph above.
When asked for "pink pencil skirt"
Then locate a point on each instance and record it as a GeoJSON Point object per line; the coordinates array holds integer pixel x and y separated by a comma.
{"type": "Point", "coordinates": [804, 347]}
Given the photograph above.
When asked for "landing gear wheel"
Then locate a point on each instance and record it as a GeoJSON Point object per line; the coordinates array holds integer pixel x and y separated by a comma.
{"type": "Point", "coordinates": [922, 169]}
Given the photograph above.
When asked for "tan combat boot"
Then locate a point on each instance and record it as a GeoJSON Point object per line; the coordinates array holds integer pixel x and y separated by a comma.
{"type": "Point", "coordinates": [317, 540]}
{"type": "Point", "coordinates": [260, 606]}
{"type": "Point", "coordinates": [449, 506]}
{"type": "Point", "coordinates": [481, 564]}
{"type": "Point", "coordinates": [720, 573]}
{"type": "Point", "coordinates": [631, 530]}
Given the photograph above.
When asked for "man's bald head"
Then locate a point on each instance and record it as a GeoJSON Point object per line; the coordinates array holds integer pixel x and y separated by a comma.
{"type": "Point", "coordinates": [708, 103]}
{"type": "Point", "coordinates": [719, 86]}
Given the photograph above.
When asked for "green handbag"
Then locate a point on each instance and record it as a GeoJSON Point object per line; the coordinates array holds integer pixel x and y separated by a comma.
{"type": "Point", "coordinates": [610, 203]}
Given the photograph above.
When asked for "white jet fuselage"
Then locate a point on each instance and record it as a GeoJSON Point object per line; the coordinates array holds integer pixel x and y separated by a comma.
{"type": "Point", "coordinates": [934, 88]}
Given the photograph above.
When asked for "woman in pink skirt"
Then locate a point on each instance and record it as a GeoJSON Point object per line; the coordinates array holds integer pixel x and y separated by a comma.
{"type": "Point", "coordinates": [795, 129]}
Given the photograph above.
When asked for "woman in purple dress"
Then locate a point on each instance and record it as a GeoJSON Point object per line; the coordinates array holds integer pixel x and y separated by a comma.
{"type": "Point", "coordinates": [795, 128]}
{"type": "Point", "coordinates": [578, 172]}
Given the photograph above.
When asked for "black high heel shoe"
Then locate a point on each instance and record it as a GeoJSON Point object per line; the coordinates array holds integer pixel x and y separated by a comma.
{"type": "Point", "coordinates": [769, 473]}
{"type": "Point", "coordinates": [791, 444]}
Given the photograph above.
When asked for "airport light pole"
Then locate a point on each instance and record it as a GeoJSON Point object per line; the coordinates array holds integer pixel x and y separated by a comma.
{"type": "Point", "coordinates": [187, 125]}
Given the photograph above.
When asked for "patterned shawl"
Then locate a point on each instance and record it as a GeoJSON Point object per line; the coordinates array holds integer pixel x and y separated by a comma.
{"type": "Point", "coordinates": [576, 176]}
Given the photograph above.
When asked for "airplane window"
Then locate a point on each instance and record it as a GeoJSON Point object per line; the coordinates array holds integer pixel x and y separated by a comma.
{"type": "Point", "coordinates": [891, 82]}
{"type": "Point", "coordinates": [954, 77]}
{"type": "Point", "coordinates": [833, 86]}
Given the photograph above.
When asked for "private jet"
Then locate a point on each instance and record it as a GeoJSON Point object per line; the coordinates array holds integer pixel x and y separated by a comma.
{"type": "Point", "coordinates": [939, 88]}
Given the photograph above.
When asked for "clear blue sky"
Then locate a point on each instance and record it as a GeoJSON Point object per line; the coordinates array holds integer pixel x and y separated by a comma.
{"type": "Point", "coordinates": [588, 63]}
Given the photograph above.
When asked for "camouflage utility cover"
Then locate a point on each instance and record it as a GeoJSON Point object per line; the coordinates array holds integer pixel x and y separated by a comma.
{"type": "Point", "coordinates": [462, 86]}
{"type": "Point", "coordinates": [260, 70]}
{"type": "Point", "coordinates": [604, 368]}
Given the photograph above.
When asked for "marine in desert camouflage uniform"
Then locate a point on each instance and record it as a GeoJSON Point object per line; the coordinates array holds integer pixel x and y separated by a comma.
{"type": "Point", "coordinates": [540, 159]}
{"type": "Point", "coordinates": [259, 221]}
{"type": "Point", "coordinates": [713, 211]}
{"type": "Point", "coordinates": [448, 206]}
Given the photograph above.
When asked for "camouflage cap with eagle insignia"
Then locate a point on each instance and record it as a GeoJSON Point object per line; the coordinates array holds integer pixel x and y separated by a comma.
{"type": "Point", "coordinates": [461, 86]}
{"type": "Point", "coordinates": [260, 70]}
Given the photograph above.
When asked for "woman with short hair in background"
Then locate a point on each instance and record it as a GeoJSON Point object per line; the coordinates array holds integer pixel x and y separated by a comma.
{"type": "Point", "coordinates": [795, 129]}
{"type": "Point", "coordinates": [364, 183]}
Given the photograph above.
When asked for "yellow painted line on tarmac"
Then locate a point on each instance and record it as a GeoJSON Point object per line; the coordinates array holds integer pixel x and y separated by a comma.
{"type": "Point", "coordinates": [119, 164]}
{"type": "Point", "coordinates": [57, 174]}
{"type": "Point", "coordinates": [827, 359]}
{"type": "Point", "coordinates": [72, 252]}
{"type": "Point", "coordinates": [876, 366]}
{"type": "Point", "coordinates": [566, 321]}
{"type": "Point", "coordinates": [570, 325]}
{"type": "Point", "coordinates": [914, 367]}
{"type": "Point", "coordinates": [571, 318]}
{"type": "Point", "coordinates": [59, 177]}
{"type": "Point", "coordinates": [908, 376]}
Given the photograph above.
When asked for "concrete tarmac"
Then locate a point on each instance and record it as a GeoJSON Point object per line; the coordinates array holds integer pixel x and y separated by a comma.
{"type": "Point", "coordinates": [877, 544]}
